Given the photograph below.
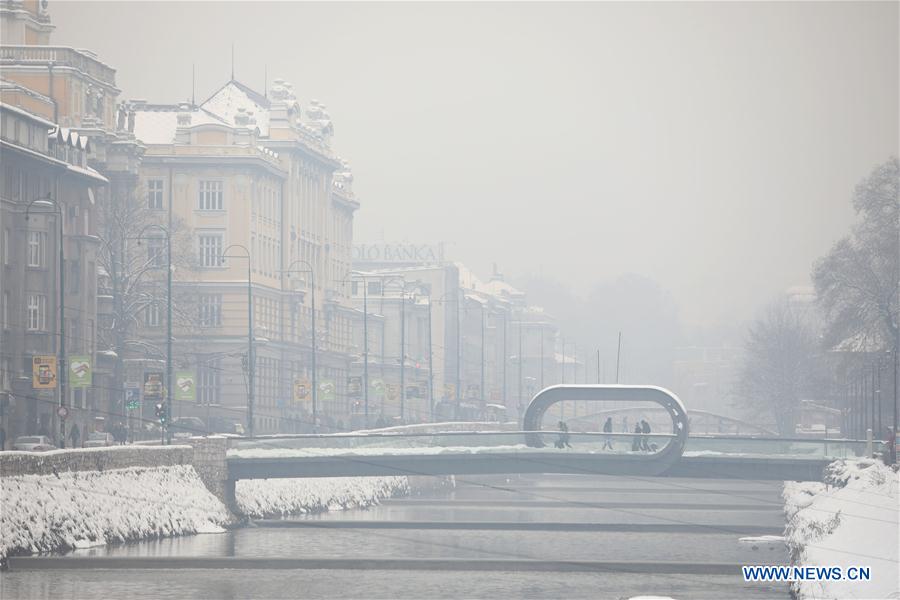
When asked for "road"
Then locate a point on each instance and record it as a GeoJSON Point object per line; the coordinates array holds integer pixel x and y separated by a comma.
{"type": "Point", "coordinates": [524, 537]}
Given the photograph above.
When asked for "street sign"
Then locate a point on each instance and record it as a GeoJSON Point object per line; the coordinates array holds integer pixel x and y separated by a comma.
{"type": "Point", "coordinates": [62, 412]}
{"type": "Point", "coordinates": [132, 396]}
{"type": "Point", "coordinates": [43, 372]}
{"type": "Point", "coordinates": [80, 372]}
{"type": "Point", "coordinates": [185, 385]}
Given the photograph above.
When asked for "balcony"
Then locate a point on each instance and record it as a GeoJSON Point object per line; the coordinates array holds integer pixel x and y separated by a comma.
{"type": "Point", "coordinates": [60, 56]}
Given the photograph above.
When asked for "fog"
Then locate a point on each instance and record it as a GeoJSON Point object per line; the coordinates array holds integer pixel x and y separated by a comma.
{"type": "Point", "coordinates": [709, 147]}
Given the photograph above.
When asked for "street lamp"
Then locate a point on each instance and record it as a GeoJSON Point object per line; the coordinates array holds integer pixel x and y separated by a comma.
{"type": "Point", "coordinates": [365, 342]}
{"type": "Point", "coordinates": [62, 372]}
{"type": "Point", "coordinates": [251, 359]}
{"type": "Point", "coordinates": [481, 309]}
{"type": "Point", "coordinates": [427, 294]}
{"type": "Point", "coordinates": [315, 381]}
{"type": "Point", "coordinates": [444, 299]}
{"type": "Point", "coordinates": [170, 379]}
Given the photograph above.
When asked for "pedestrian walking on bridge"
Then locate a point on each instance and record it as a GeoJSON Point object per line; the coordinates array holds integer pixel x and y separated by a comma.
{"type": "Point", "coordinates": [607, 439]}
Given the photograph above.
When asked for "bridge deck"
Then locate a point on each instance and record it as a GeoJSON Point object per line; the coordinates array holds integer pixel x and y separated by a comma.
{"type": "Point", "coordinates": [721, 467]}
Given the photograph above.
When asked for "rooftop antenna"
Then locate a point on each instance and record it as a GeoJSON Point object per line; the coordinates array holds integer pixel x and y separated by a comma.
{"type": "Point", "coordinates": [232, 61]}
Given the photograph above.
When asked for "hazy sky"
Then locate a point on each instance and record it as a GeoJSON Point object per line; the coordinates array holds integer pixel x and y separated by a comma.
{"type": "Point", "coordinates": [710, 146]}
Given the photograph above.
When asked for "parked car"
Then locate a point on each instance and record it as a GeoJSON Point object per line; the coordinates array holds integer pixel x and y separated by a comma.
{"type": "Point", "coordinates": [33, 443]}
{"type": "Point", "coordinates": [99, 439]}
{"type": "Point", "coordinates": [186, 427]}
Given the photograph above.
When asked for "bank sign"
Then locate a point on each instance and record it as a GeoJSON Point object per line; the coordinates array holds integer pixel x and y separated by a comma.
{"type": "Point", "coordinates": [398, 253]}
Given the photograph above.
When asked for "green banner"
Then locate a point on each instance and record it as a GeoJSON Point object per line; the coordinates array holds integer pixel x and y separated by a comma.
{"type": "Point", "coordinates": [80, 371]}
{"type": "Point", "coordinates": [185, 385]}
{"type": "Point", "coordinates": [326, 389]}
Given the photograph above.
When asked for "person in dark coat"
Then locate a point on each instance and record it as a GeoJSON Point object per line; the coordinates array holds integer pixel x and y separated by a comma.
{"type": "Point", "coordinates": [645, 439]}
{"type": "Point", "coordinates": [607, 439]}
{"type": "Point", "coordinates": [75, 436]}
{"type": "Point", "coordinates": [636, 440]}
{"type": "Point", "coordinates": [563, 441]}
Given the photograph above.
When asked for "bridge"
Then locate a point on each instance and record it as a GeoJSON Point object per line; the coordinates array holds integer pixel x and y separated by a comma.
{"type": "Point", "coordinates": [532, 450]}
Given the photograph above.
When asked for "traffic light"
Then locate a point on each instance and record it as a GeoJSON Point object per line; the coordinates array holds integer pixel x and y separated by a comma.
{"type": "Point", "coordinates": [161, 413]}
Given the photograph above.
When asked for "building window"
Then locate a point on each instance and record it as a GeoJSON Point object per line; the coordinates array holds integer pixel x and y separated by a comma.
{"type": "Point", "coordinates": [156, 252]}
{"type": "Point", "coordinates": [211, 195]}
{"type": "Point", "coordinates": [155, 194]}
{"type": "Point", "coordinates": [209, 382]}
{"type": "Point", "coordinates": [151, 315]}
{"type": "Point", "coordinates": [6, 310]}
{"type": "Point", "coordinates": [6, 246]}
{"type": "Point", "coordinates": [37, 247]}
{"type": "Point", "coordinates": [210, 310]}
{"type": "Point", "coordinates": [36, 317]}
{"type": "Point", "coordinates": [374, 288]}
{"type": "Point", "coordinates": [211, 250]}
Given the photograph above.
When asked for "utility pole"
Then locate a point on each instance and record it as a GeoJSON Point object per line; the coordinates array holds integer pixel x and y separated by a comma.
{"type": "Point", "coordinates": [430, 364]}
{"type": "Point", "coordinates": [402, 352]}
{"type": "Point", "coordinates": [366, 349]}
{"type": "Point", "coordinates": [618, 355]}
{"type": "Point", "coordinates": [521, 399]}
{"type": "Point", "coordinates": [61, 369]}
{"type": "Point", "coordinates": [505, 356]}
{"type": "Point", "coordinates": [542, 356]}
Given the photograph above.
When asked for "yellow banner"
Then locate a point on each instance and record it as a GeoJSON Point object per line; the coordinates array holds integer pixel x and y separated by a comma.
{"type": "Point", "coordinates": [43, 372]}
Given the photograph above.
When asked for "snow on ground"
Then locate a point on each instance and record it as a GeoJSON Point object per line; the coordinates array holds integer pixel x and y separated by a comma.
{"type": "Point", "coordinates": [79, 509]}
{"type": "Point", "coordinates": [851, 520]}
{"type": "Point", "coordinates": [259, 498]}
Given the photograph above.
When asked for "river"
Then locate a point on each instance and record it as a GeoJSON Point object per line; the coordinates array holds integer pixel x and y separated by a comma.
{"type": "Point", "coordinates": [530, 525]}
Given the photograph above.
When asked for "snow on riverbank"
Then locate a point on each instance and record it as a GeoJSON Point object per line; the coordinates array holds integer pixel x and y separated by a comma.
{"type": "Point", "coordinates": [851, 520]}
{"type": "Point", "coordinates": [258, 498]}
{"type": "Point", "coordinates": [80, 509]}
{"type": "Point", "coordinates": [40, 513]}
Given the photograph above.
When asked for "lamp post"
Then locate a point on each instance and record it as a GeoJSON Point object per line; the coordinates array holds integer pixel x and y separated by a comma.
{"type": "Point", "coordinates": [251, 359]}
{"type": "Point", "coordinates": [312, 286]}
{"type": "Point", "coordinates": [481, 389]}
{"type": "Point", "coordinates": [62, 371]}
{"type": "Point", "coordinates": [170, 379]}
{"type": "Point", "coordinates": [365, 343]}
{"type": "Point", "coordinates": [521, 400]}
{"type": "Point", "coordinates": [427, 294]}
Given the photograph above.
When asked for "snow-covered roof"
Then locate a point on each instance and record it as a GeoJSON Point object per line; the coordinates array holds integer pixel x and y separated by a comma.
{"type": "Point", "coordinates": [467, 278]}
{"type": "Point", "coordinates": [235, 97]}
{"type": "Point", "coordinates": [157, 125]}
{"type": "Point", "coordinates": [499, 287]}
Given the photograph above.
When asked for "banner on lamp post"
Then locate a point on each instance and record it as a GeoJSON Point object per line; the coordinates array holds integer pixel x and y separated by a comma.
{"type": "Point", "coordinates": [43, 372]}
{"type": "Point", "coordinates": [185, 386]}
{"type": "Point", "coordinates": [326, 389]}
{"type": "Point", "coordinates": [80, 371]}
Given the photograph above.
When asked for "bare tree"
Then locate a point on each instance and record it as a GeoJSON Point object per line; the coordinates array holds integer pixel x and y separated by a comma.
{"type": "Point", "coordinates": [783, 364]}
{"type": "Point", "coordinates": [132, 273]}
{"type": "Point", "coordinates": [857, 281]}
